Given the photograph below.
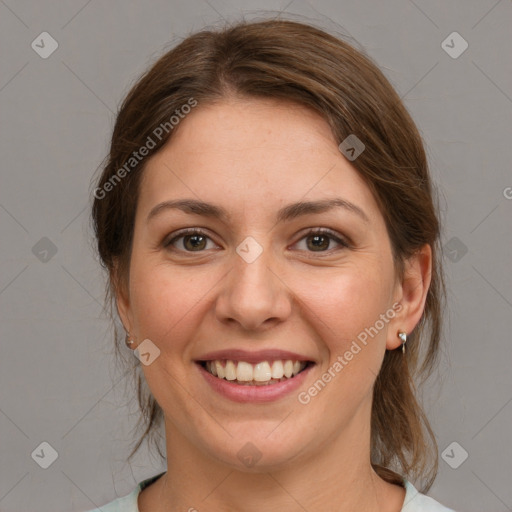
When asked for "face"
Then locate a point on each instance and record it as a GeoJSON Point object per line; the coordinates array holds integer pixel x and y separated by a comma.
{"type": "Point", "coordinates": [277, 252]}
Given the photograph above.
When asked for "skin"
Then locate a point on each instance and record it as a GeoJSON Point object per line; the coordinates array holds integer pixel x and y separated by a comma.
{"type": "Point", "coordinates": [252, 157]}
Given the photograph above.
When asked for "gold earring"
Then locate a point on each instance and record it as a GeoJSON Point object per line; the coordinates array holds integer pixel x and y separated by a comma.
{"type": "Point", "coordinates": [403, 337]}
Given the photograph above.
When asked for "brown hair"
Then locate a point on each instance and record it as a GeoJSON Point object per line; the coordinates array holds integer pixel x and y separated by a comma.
{"type": "Point", "coordinates": [291, 61]}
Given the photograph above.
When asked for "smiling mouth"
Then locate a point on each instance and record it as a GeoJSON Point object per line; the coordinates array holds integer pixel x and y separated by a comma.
{"type": "Point", "coordinates": [261, 374]}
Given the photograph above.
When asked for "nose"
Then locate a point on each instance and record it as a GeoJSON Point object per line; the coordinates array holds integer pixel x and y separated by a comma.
{"type": "Point", "coordinates": [253, 295]}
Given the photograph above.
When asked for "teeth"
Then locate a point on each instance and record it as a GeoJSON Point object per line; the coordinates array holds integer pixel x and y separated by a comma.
{"type": "Point", "coordinates": [244, 371]}
{"type": "Point", "coordinates": [263, 372]}
{"type": "Point", "coordinates": [277, 370]}
{"type": "Point", "coordinates": [230, 370]}
{"type": "Point", "coordinates": [219, 369]}
{"type": "Point", "coordinates": [288, 368]}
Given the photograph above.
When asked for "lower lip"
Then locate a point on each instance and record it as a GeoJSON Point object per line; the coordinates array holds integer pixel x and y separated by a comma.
{"type": "Point", "coordinates": [255, 394]}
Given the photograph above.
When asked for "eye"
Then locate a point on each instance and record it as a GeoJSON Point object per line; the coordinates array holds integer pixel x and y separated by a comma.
{"type": "Point", "coordinates": [196, 240]}
{"type": "Point", "coordinates": [319, 240]}
{"type": "Point", "coordinates": [190, 240]}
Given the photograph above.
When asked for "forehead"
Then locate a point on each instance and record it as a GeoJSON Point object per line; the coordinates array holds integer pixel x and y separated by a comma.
{"type": "Point", "coordinates": [255, 152]}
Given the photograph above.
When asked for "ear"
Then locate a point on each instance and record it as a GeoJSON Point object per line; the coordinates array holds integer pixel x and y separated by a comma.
{"type": "Point", "coordinates": [411, 293]}
{"type": "Point", "coordinates": [122, 298]}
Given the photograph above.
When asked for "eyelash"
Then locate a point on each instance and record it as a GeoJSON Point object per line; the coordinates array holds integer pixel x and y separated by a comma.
{"type": "Point", "coordinates": [312, 231]}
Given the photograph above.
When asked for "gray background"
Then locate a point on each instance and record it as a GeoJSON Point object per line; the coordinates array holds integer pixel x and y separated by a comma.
{"type": "Point", "coordinates": [57, 378]}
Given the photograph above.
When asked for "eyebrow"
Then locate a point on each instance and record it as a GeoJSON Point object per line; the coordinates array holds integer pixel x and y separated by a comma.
{"type": "Point", "coordinates": [287, 213]}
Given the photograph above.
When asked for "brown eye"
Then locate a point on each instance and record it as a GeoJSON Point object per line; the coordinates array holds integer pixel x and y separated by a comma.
{"type": "Point", "coordinates": [194, 242]}
{"type": "Point", "coordinates": [318, 242]}
{"type": "Point", "coordinates": [191, 240]}
{"type": "Point", "coordinates": [321, 240]}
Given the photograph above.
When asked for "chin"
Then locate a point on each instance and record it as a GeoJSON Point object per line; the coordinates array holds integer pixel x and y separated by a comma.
{"type": "Point", "coordinates": [254, 451]}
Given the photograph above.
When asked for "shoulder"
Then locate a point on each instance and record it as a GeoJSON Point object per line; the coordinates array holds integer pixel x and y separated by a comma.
{"type": "Point", "coordinates": [127, 503]}
{"type": "Point", "coordinates": [417, 502]}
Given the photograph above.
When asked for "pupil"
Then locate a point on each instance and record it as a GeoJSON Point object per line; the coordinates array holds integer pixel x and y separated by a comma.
{"type": "Point", "coordinates": [317, 241]}
{"type": "Point", "coordinates": [197, 241]}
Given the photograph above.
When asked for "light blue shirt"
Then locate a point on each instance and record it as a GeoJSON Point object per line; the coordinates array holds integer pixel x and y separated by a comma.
{"type": "Point", "coordinates": [414, 500]}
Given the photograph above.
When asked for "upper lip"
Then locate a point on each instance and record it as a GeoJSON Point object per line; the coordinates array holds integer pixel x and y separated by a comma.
{"type": "Point", "coordinates": [253, 357]}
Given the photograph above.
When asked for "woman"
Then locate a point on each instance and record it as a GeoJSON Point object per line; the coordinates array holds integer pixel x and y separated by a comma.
{"type": "Point", "coordinates": [267, 222]}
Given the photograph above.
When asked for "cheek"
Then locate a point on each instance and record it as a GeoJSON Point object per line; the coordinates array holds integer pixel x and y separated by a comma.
{"type": "Point", "coordinates": [345, 304]}
{"type": "Point", "coordinates": [340, 312]}
{"type": "Point", "coordinates": [165, 301]}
